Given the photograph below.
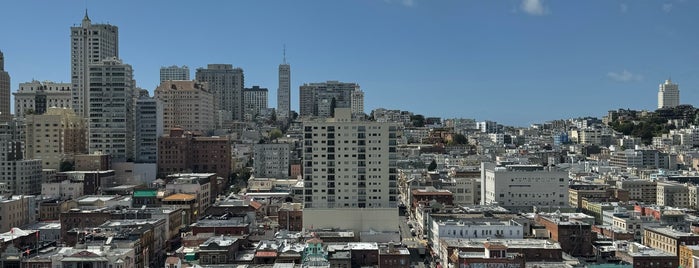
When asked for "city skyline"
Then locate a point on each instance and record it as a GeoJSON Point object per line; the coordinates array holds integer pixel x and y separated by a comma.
{"type": "Point", "coordinates": [548, 59]}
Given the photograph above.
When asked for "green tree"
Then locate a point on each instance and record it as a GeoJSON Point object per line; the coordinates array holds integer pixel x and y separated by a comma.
{"type": "Point", "coordinates": [418, 120]}
{"type": "Point", "coordinates": [432, 166]}
{"type": "Point", "coordinates": [275, 134]}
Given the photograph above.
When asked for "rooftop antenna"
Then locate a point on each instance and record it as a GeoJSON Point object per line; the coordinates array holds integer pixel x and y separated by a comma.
{"type": "Point", "coordinates": [284, 53]}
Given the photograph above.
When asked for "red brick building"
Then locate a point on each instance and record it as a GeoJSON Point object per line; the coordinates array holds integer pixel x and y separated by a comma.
{"type": "Point", "coordinates": [426, 195]}
{"type": "Point", "coordinates": [186, 152]}
{"type": "Point", "coordinates": [575, 237]}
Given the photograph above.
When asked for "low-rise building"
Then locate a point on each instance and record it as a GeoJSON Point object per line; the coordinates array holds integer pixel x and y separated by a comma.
{"type": "Point", "coordinates": [667, 239]}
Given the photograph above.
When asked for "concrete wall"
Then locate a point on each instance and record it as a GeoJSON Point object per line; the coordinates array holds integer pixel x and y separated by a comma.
{"type": "Point", "coordinates": [355, 219]}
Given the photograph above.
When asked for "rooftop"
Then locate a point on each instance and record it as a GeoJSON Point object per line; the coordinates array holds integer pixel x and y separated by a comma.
{"type": "Point", "coordinates": [180, 197]}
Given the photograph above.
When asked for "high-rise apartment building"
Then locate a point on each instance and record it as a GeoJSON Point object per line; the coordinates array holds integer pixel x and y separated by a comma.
{"type": "Point", "coordinates": [271, 160]}
{"type": "Point", "coordinates": [5, 115]}
{"type": "Point", "coordinates": [350, 177]}
{"type": "Point", "coordinates": [174, 72]}
{"type": "Point", "coordinates": [254, 101]}
{"type": "Point", "coordinates": [187, 104]}
{"type": "Point", "coordinates": [19, 176]}
{"type": "Point", "coordinates": [148, 127]}
{"type": "Point", "coordinates": [90, 44]}
{"type": "Point", "coordinates": [36, 97]}
{"type": "Point", "coordinates": [226, 83]}
{"type": "Point", "coordinates": [111, 111]}
{"type": "Point", "coordinates": [320, 99]}
{"type": "Point", "coordinates": [349, 164]}
{"type": "Point", "coordinates": [668, 95]}
{"type": "Point", "coordinates": [284, 91]}
{"type": "Point", "coordinates": [55, 136]}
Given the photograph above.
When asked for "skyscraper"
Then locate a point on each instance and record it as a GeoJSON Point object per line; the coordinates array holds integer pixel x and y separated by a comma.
{"type": "Point", "coordinates": [5, 115]}
{"type": "Point", "coordinates": [148, 127]}
{"type": "Point", "coordinates": [226, 83]}
{"type": "Point", "coordinates": [111, 111]}
{"type": "Point", "coordinates": [284, 91]}
{"type": "Point", "coordinates": [90, 44]}
{"type": "Point", "coordinates": [174, 72]}
{"type": "Point", "coordinates": [668, 95]}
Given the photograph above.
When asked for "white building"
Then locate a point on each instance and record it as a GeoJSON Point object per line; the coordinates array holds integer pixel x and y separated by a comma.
{"type": "Point", "coordinates": [523, 185]}
{"type": "Point", "coordinates": [174, 72]}
{"type": "Point", "coordinates": [487, 126]}
{"type": "Point", "coordinates": [148, 127]}
{"type": "Point", "coordinates": [466, 191]}
{"type": "Point", "coordinates": [111, 113]}
{"type": "Point", "coordinates": [469, 229]}
{"type": "Point", "coordinates": [271, 160]}
{"type": "Point", "coordinates": [350, 165]}
{"type": "Point", "coordinates": [284, 91]}
{"type": "Point", "coordinates": [36, 97]}
{"type": "Point", "coordinates": [90, 44]}
{"type": "Point", "coordinates": [668, 95]}
{"type": "Point", "coordinates": [63, 190]}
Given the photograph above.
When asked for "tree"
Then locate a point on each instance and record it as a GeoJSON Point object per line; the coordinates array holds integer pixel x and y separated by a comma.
{"type": "Point", "coordinates": [275, 134]}
{"type": "Point", "coordinates": [67, 166]}
{"type": "Point", "coordinates": [418, 120]}
{"type": "Point", "coordinates": [432, 166]}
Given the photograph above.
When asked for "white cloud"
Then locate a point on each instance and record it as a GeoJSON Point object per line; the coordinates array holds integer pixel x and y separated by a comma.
{"type": "Point", "coordinates": [534, 7]}
{"type": "Point", "coordinates": [667, 7]}
{"type": "Point", "coordinates": [624, 8]}
{"type": "Point", "coordinates": [624, 76]}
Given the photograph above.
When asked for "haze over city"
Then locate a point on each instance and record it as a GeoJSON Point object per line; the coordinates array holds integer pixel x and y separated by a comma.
{"type": "Point", "coordinates": [515, 62]}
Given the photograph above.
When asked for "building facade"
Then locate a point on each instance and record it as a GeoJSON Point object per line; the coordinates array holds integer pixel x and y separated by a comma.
{"type": "Point", "coordinates": [349, 164]}
{"type": "Point", "coordinates": [186, 104]}
{"type": "Point", "coordinates": [5, 115]}
{"type": "Point", "coordinates": [180, 151]}
{"type": "Point", "coordinates": [36, 97]}
{"type": "Point", "coordinates": [148, 127]}
{"type": "Point", "coordinates": [668, 95]}
{"type": "Point", "coordinates": [523, 185]}
{"type": "Point", "coordinates": [254, 101]}
{"type": "Point", "coordinates": [226, 83]}
{"type": "Point", "coordinates": [90, 44]}
{"type": "Point", "coordinates": [55, 136]}
{"type": "Point", "coordinates": [174, 72]}
{"type": "Point", "coordinates": [284, 91]}
{"type": "Point", "coordinates": [271, 160]}
{"type": "Point", "coordinates": [111, 113]}
{"type": "Point", "coordinates": [320, 99]}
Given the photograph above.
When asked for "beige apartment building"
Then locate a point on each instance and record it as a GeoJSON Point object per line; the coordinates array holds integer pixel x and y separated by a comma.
{"type": "Point", "coordinates": [17, 211]}
{"type": "Point", "coordinates": [55, 136]}
{"type": "Point", "coordinates": [186, 104]}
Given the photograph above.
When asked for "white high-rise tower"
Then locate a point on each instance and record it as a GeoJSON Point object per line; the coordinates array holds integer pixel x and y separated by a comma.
{"type": "Point", "coordinates": [90, 44]}
{"type": "Point", "coordinates": [668, 95]}
{"type": "Point", "coordinates": [284, 90]}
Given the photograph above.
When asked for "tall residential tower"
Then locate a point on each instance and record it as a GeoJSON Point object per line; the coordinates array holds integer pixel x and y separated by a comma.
{"type": "Point", "coordinates": [284, 91]}
{"type": "Point", "coordinates": [174, 72]}
{"type": "Point", "coordinates": [226, 83]}
{"type": "Point", "coordinates": [5, 114]}
{"type": "Point", "coordinates": [90, 44]}
{"type": "Point", "coordinates": [668, 95]}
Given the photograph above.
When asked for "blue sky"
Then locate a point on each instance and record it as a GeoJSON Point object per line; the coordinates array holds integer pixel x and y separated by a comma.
{"type": "Point", "coordinates": [516, 62]}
